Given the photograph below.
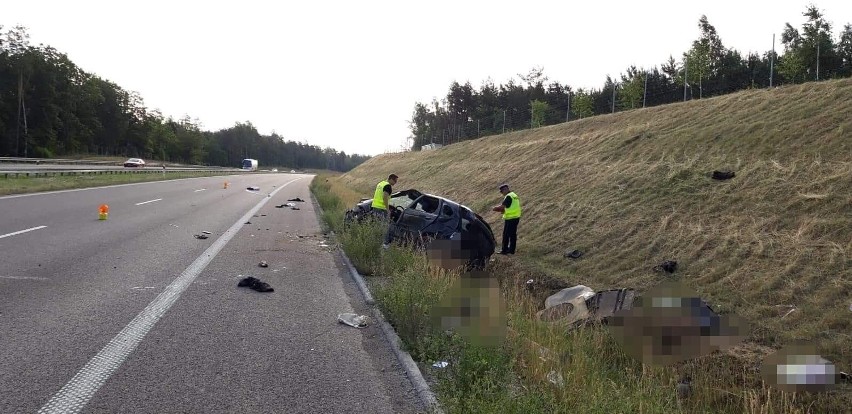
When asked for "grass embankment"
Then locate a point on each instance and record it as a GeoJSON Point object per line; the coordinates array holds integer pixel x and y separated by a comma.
{"type": "Point", "coordinates": [633, 189]}
{"type": "Point", "coordinates": [37, 184]}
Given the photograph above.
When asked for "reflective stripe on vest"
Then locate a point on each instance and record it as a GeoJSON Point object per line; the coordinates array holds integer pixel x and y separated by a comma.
{"type": "Point", "coordinates": [378, 198]}
{"type": "Point", "coordinates": [514, 210]}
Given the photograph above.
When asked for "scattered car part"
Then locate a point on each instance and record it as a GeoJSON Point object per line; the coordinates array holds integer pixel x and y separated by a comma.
{"type": "Point", "coordinates": [723, 175]}
{"type": "Point", "coordinates": [573, 254]}
{"type": "Point", "coordinates": [605, 303]}
{"type": "Point", "coordinates": [669, 266]}
{"type": "Point", "coordinates": [255, 284]}
{"type": "Point", "coordinates": [263, 264]}
{"type": "Point", "coordinates": [353, 320]}
{"type": "Point", "coordinates": [569, 294]}
{"type": "Point", "coordinates": [201, 236]}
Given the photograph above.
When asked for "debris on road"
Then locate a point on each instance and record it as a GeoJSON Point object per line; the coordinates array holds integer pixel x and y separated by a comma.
{"type": "Point", "coordinates": [206, 232]}
{"type": "Point", "coordinates": [297, 199]}
{"type": "Point", "coordinates": [263, 263]}
{"type": "Point", "coordinates": [573, 254]}
{"type": "Point", "coordinates": [353, 320]}
{"type": "Point", "coordinates": [201, 236]}
{"type": "Point", "coordinates": [281, 206]}
{"type": "Point", "coordinates": [295, 208]}
{"type": "Point", "coordinates": [248, 222]}
{"type": "Point", "coordinates": [441, 364]}
{"type": "Point", "coordinates": [668, 266]}
{"type": "Point", "coordinates": [723, 175]}
{"type": "Point", "coordinates": [253, 188]}
{"type": "Point", "coordinates": [255, 284]}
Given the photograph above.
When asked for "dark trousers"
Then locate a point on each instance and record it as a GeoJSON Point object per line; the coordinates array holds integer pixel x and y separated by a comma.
{"type": "Point", "coordinates": [382, 215]}
{"type": "Point", "coordinates": [510, 235]}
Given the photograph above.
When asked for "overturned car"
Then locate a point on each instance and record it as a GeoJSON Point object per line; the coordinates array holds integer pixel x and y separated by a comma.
{"type": "Point", "coordinates": [421, 218]}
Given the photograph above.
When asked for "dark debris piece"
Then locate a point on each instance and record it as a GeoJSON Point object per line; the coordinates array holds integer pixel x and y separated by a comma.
{"type": "Point", "coordinates": [263, 263]}
{"type": "Point", "coordinates": [201, 236]}
{"type": "Point", "coordinates": [668, 266]}
{"type": "Point", "coordinates": [723, 175]}
{"type": "Point", "coordinates": [255, 284]}
{"type": "Point", "coordinates": [573, 254]}
{"type": "Point", "coordinates": [248, 222]}
{"type": "Point", "coordinates": [295, 208]}
{"type": "Point", "coordinates": [297, 199]}
{"type": "Point", "coordinates": [281, 206]}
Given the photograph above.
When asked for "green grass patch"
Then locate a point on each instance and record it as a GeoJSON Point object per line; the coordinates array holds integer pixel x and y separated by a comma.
{"type": "Point", "coordinates": [21, 185]}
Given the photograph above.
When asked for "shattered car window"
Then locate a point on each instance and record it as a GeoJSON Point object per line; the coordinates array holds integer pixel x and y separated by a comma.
{"type": "Point", "coordinates": [426, 204]}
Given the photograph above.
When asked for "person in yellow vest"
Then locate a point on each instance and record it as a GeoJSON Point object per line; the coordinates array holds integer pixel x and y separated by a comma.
{"type": "Point", "coordinates": [381, 205]}
{"type": "Point", "coordinates": [381, 197]}
{"type": "Point", "coordinates": [511, 209]}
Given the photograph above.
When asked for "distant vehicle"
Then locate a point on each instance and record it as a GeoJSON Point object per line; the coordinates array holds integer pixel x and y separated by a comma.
{"type": "Point", "coordinates": [250, 164]}
{"type": "Point", "coordinates": [134, 162]}
{"type": "Point", "coordinates": [275, 170]}
{"type": "Point", "coordinates": [423, 217]}
{"type": "Point", "coordinates": [292, 171]}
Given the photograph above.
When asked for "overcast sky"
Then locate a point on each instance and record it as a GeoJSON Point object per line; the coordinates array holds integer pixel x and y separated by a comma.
{"type": "Point", "coordinates": [347, 74]}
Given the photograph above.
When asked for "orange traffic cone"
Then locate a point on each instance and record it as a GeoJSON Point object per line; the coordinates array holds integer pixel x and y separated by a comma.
{"type": "Point", "coordinates": [103, 212]}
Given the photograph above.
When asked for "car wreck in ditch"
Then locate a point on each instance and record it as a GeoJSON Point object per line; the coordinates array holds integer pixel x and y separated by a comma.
{"type": "Point", "coordinates": [421, 218]}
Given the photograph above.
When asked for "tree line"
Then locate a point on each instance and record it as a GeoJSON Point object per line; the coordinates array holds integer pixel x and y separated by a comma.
{"type": "Point", "coordinates": [49, 107]}
{"type": "Point", "coordinates": [707, 69]}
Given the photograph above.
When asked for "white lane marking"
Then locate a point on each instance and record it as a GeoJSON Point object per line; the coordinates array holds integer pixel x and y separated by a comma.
{"type": "Point", "coordinates": [79, 390]}
{"type": "Point", "coordinates": [203, 189]}
{"type": "Point", "coordinates": [22, 231]}
{"type": "Point", "coordinates": [24, 277]}
{"type": "Point", "coordinates": [149, 201]}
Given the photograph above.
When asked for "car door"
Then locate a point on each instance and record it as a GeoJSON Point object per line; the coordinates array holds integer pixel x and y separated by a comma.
{"type": "Point", "coordinates": [419, 214]}
{"type": "Point", "coordinates": [447, 222]}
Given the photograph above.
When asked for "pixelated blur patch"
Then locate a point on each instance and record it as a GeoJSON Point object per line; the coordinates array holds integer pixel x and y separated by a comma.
{"type": "Point", "coordinates": [671, 324]}
{"type": "Point", "coordinates": [446, 254]}
{"type": "Point", "coordinates": [473, 308]}
{"type": "Point", "coordinates": [799, 368]}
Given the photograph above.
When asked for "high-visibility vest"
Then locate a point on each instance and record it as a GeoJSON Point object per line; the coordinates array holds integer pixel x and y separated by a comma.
{"type": "Point", "coordinates": [378, 198]}
{"type": "Point", "coordinates": [514, 210]}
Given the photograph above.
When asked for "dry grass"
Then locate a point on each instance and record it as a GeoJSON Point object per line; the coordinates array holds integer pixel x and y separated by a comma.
{"type": "Point", "coordinates": [633, 189]}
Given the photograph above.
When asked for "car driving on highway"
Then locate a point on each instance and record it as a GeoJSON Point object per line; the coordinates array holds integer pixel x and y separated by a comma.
{"type": "Point", "coordinates": [134, 162]}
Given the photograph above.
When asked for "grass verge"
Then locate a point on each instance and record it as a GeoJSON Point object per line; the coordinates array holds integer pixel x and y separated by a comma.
{"type": "Point", "coordinates": [38, 184]}
{"type": "Point", "coordinates": [541, 368]}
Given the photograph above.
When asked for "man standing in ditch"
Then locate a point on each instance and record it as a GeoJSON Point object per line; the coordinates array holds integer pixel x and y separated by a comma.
{"type": "Point", "coordinates": [511, 209]}
{"type": "Point", "coordinates": [381, 204]}
{"type": "Point", "coordinates": [381, 197]}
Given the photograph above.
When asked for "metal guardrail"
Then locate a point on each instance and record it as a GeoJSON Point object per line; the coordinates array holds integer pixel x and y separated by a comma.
{"type": "Point", "coordinates": [23, 160]}
{"type": "Point", "coordinates": [61, 173]}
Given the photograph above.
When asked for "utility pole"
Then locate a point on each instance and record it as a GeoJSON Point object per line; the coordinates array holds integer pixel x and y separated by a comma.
{"type": "Point", "coordinates": [685, 76]}
{"type": "Point", "coordinates": [568, 112]}
{"type": "Point", "coordinates": [18, 124]}
{"type": "Point", "coordinates": [817, 71]}
{"type": "Point", "coordinates": [645, 93]}
{"type": "Point", "coordinates": [613, 97]}
{"type": "Point", "coordinates": [772, 61]}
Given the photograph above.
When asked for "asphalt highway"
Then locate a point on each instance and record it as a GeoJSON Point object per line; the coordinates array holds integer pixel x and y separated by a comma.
{"type": "Point", "coordinates": [93, 167]}
{"type": "Point", "coordinates": [133, 314]}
